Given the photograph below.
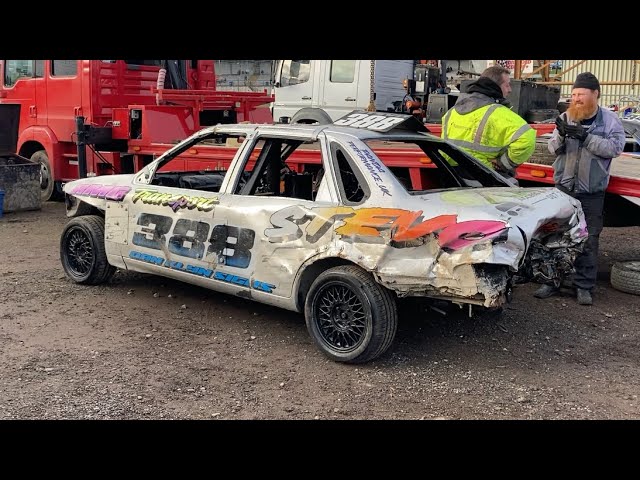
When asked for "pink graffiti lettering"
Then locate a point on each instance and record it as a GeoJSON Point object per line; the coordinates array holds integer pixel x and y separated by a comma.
{"type": "Point", "coordinates": [108, 192]}
{"type": "Point", "coordinates": [463, 234]}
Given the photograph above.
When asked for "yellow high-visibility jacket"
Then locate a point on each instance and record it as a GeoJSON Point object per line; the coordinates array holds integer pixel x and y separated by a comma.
{"type": "Point", "coordinates": [490, 131]}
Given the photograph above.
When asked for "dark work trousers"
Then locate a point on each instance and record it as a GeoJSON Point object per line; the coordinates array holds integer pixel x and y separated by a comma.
{"type": "Point", "coordinates": [587, 262]}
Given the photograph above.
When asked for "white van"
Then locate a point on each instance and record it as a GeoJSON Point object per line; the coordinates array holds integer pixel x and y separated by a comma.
{"type": "Point", "coordinates": [321, 91]}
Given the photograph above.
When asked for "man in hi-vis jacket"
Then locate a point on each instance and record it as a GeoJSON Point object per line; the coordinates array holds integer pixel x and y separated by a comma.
{"type": "Point", "coordinates": [482, 123]}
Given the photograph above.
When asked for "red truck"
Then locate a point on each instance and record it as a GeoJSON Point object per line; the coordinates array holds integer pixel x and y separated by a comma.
{"type": "Point", "coordinates": [122, 105]}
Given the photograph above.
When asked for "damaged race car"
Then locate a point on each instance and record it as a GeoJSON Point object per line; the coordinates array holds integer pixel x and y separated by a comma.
{"type": "Point", "coordinates": [310, 218]}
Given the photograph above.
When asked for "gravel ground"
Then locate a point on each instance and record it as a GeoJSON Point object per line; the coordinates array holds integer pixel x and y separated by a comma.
{"type": "Point", "coordinates": [142, 347]}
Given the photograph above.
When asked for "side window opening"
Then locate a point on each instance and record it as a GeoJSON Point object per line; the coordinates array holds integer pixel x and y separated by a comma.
{"type": "Point", "coordinates": [464, 170]}
{"type": "Point", "coordinates": [64, 68]}
{"type": "Point", "coordinates": [295, 72]}
{"type": "Point", "coordinates": [442, 166]}
{"type": "Point", "coordinates": [16, 69]}
{"type": "Point", "coordinates": [352, 186]}
{"type": "Point", "coordinates": [193, 174]}
{"type": "Point", "coordinates": [342, 71]}
{"type": "Point", "coordinates": [267, 172]}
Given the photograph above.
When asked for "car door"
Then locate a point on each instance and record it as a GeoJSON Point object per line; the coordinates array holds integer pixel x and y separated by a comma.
{"type": "Point", "coordinates": [174, 227]}
{"type": "Point", "coordinates": [295, 88]}
{"type": "Point", "coordinates": [169, 231]}
{"type": "Point", "coordinates": [64, 97]}
{"type": "Point", "coordinates": [275, 222]}
{"type": "Point", "coordinates": [340, 84]}
{"type": "Point", "coordinates": [19, 86]}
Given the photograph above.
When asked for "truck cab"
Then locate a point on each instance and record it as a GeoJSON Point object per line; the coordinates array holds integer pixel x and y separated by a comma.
{"type": "Point", "coordinates": [321, 91]}
{"type": "Point", "coordinates": [53, 93]}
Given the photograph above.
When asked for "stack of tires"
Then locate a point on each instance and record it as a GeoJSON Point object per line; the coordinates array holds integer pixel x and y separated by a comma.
{"type": "Point", "coordinates": [625, 276]}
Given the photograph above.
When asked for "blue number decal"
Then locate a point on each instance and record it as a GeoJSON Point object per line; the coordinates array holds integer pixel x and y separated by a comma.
{"type": "Point", "coordinates": [188, 238]}
{"type": "Point", "coordinates": [232, 245]}
{"type": "Point", "coordinates": [152, 231]}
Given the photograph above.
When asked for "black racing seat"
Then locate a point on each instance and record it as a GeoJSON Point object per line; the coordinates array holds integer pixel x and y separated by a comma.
{"type": "Point", "coordinates": [298, 185]}
{"type": "Point", "coordinates": [166, 179]}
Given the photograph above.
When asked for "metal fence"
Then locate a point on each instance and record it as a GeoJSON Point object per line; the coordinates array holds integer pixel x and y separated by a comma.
{"type": "Point", "coordinates": [619, 79]}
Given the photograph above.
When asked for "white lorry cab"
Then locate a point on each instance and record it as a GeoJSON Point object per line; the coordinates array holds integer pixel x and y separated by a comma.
{"type": "Point", "coordinates": [321, 91]}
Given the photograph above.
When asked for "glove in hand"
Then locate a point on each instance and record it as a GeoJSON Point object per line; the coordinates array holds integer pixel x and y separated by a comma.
{"type": "Point", "coordinates": [576, 131]}
{"type": "Point", "coordinates": [560, 125]}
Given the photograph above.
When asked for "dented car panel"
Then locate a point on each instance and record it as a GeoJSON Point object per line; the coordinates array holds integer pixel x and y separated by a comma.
{"type": "Point", "coordinates": [340, 240]}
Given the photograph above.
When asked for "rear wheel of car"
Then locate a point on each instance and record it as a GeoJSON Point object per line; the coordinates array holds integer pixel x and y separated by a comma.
{"type": "Point", "coordinates": [625, 276]}
{"type": "Point", "coordinates": [82, 251]}
{"type": "Point", "coordinates": [350, 317]}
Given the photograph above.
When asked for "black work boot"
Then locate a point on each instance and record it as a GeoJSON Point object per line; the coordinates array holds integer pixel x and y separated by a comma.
{"type": "Point", "coordinates": [584, 296]}
{"type": "Point", "coordinates": [546, 291]}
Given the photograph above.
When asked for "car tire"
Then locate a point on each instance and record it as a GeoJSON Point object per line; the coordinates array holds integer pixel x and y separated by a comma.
{"type": "Point", "coordinates": [350, 317]}
{"type": "Point", "coordinates": [82, 251]}
{"type": "Point", "coordinates": [625, 276]}
{"type": "Point", "coordinates": [47, 184]}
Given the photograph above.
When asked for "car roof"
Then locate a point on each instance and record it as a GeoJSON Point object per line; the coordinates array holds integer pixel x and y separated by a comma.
{"type": "Point", "coordinates": [312, 131]}
{"type": "Point", "coordinates": [361, 124]}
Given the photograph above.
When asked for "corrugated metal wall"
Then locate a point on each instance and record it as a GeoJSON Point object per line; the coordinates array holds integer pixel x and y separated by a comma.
{"type": "Point", "coordinates": [606, 71]}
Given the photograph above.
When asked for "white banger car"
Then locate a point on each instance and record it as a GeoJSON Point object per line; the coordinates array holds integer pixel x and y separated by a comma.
{"type": "Point", "coordinates": [340, 238]}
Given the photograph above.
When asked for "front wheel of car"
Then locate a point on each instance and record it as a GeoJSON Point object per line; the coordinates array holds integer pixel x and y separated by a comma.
{"type": "Point", "coordinates": [351, 317]}
{"type": "Point", "coordinates": [82, 251]}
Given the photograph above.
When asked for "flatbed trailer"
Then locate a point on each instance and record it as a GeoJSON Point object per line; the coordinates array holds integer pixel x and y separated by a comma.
{"type": "Point", "coordinates": [622, 202]}
{"type": "Point", "coordinates": [622, 198]}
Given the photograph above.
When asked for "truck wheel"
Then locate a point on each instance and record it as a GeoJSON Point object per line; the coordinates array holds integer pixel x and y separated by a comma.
{"type": "Point", "coordinates": [542, 155]}
{"type": "Point", "coordinates": [625, 276]}
{"type": "Point", "coordinates": [47, 185]}
{"type": "Point", "coordinates": [349, 316]}
{"type": "Point", "coordinates": [82, 251]}
{"type": "Point", "coordinates": [311, 116]}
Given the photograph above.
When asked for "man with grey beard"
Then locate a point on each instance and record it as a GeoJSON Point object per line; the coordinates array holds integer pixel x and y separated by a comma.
{"type": "Point", "coordinates": [585, 140]}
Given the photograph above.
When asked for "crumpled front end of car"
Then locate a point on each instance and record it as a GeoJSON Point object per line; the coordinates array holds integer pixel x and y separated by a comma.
{"type": "Point", "coordinates": [554, 248]}
{"type": "Point", "coordinates": [473, 267]}
{"type": "Point", "coordinates": [476, 255]}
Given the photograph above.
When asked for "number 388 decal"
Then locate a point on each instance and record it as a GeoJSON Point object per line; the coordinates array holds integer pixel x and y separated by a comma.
{"type": "Point", "coordinates": [191, 239]}
{"type": "Point", "coordinates": [381, 122]}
